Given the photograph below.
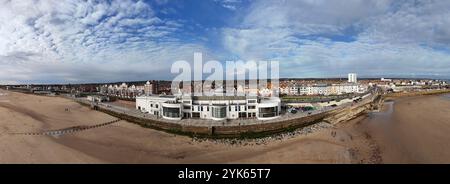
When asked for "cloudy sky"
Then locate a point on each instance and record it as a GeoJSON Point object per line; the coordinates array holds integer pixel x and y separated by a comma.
{"type": "Point", "coordinates": [74, 41]}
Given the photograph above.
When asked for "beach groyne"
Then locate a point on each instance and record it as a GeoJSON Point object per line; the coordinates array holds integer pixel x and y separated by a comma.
{"type": "Point", "coordinates": [68, 130]}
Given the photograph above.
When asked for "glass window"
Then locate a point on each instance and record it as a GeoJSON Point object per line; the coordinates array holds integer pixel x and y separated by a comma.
{"type": "Point", "coordinates": [219, 112]}
{"type": "Point", "coordinates": [268, 112]}
{"type": "Point", "coordinates": [171, 112]}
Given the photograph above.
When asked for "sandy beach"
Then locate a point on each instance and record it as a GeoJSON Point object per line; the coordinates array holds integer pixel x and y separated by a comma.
{"type": "Point", "coordinates": [356, 141]}
{"type": "Point", "coordinates": [412, 129]}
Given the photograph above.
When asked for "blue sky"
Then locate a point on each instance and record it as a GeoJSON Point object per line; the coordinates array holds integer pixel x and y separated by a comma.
{"type": "Point", "coordinates": [75, 41]}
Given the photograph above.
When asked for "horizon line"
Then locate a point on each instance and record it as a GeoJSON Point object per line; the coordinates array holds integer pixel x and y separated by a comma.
{"type": "Point", "coordinates": [284, 78]}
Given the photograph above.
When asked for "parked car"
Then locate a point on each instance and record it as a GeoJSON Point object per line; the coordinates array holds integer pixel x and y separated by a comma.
{"type": "Point", "coordinates": [292, 110]}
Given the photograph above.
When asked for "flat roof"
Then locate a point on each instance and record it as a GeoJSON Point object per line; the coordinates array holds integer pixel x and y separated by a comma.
{"type": "Point", "coordinates": [222, 97]}
{"type": "Point", "coordinates": [158, 96]}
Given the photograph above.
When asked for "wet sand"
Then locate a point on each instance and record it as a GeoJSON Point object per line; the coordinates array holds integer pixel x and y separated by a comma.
{"type": "Point", "coordinates": [412, 130]}
{"type": "Point", "coordinates": [125, 142]}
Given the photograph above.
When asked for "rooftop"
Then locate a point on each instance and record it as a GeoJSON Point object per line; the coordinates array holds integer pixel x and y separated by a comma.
{"type": "Point", "coordinates": [223, 97]}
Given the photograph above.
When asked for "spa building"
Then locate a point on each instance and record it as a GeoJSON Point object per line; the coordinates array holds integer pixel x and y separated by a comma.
{"type": "Point", "coordinates": [209, 107]}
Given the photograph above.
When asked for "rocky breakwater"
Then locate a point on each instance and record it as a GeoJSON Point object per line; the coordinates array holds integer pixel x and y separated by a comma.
{"type": "Point", "coordinates": [355, 110]}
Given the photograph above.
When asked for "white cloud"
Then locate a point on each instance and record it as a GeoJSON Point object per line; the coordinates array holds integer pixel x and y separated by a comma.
{"type": "Point", "coordinates": [75, 36]}
{"type": "Point", "coordinates": [313, 16]}
{"type": "Point", "coordinates": [379, 37]}
{"type": "Point", "coordinates": [77, 40]}
{"type": "Point", "coordinates": [424, 22]}
{"type": "Point", "coordinates": [229, 4]}
{"type": "Point", "coordinates": [330, 59]}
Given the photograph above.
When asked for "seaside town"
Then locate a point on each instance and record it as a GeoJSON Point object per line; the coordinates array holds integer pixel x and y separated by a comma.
{"type": "Point", "coordinates": [321, 109]}
{"type": "Point", "coordinates": [287, 87]}
{"type": "Point", "coordinates": [244, 86]}
{"type": "Point", "coordinates": [293, 95]}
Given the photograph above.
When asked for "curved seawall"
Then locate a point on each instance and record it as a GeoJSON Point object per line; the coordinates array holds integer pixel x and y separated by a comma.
{"type": "Point", "coordinates": [243, 130]}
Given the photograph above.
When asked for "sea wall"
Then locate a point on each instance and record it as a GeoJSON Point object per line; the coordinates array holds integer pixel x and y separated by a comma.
{"type": "Point", "coordinates": [264, 129]}
{"type": "Point", "coordinates": [354, 111]}
{"type": "Point", "coordinates": [244, 130]}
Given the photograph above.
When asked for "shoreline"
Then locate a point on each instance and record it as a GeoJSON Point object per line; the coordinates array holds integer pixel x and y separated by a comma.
{"type": "Point", "coordinates": [412, 129]}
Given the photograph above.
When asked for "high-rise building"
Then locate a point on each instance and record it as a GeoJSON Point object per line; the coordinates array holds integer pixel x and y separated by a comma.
{"type": "Point", "coordinates": [148, 88]}
{"type": "Point", "coordinates": [352, 78]}
{"type": "Point", "coordinates": [151, 88]}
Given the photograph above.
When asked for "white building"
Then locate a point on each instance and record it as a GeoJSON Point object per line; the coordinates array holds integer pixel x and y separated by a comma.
{"type": "Point", "coordinates": [284, 90]}
{"type": "Point", "coordinates": [333, 89]}
{"type": "Point", "coordinates": [210, 107]}
{"type": "Point", "coordinates": [293, 89]}
{"type": "Point", "coordinates": [266, 92]}
{"type": "Point", "coordinates": [321, 89]}
{"type": "Point", "coordinates": [148, 88]}
{"type": "Point", "coordinates": [352, 78]}
{"type": "Point", "coordinates": [122, 90]}
{"type": "Point", "coordinates": [304, 90]}
{"type": "Point", "coordinates": [96, 98]}
{"type": "Point", "coordinates": [347, 88]}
